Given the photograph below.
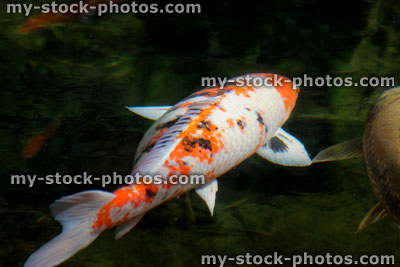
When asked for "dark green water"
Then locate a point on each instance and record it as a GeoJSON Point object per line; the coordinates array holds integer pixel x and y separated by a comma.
{"type": "Point", "coordinates": [87, 71]}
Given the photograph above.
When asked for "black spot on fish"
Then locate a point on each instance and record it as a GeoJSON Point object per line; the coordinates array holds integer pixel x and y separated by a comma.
{"type": "Point", "coordinates": [283, 137]}
{"type": "Point", "coordinates": [150, 193]}
{"type": "Point", "coordinates": [167, 124]}
{"type": "Point", "coordinates": [188, 150]}
{"type": "Point", "coordinates": [193, 111]}
{"type": "Point", "coordinates": [241, 124]}
{"type": "Point", "coordinates": [164, 142]}
{"type": "Point", "coordinates": [266, 128]}
{"type": "Point", "coordinates": [204, 125]}
{"type": "Point", "coordinates": [183, 121]}
{"type": "Point", "coordinates": [203, 143]}
{"type": "Point", "coordinates": [176, 131]}
{"type": "Point", "coordinates": [277, 145]}
{"type": "Point", "coordinates": [259, 118]}
{"type": "Point", "coordinates": [164, 137]}
{"type": "Point", "coordinates": [186, 142]}
{"type": "Point", "coordinates": [148, 147]}
{"type": "Point", "coordinates": [206, 144]}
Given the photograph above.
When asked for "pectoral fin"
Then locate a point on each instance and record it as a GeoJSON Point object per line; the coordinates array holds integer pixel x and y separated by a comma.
{"type": "Point", "coordinates": [152, 113]}
{"type": "Point", "coordinates": [285, 149]}
{"type": "Point", "coordinates": [346, 150]}
{"type": "Point", "coordinates": [125, 227]}
{"type": "Point", "coordinates": [377, 213]}
{"type": "Point", "coordinates": [207, 193]}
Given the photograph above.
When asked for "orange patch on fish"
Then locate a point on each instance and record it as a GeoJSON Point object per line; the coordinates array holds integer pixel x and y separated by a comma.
{"type": "Point", "coordinates": [289, 95]}
{"type": "Point", "coordinates": [210, 174]}
{"type": "Point", "coordinates": [103, 220]}
{"type": "Point", "coordinates": [135, 195]}
{"type": "Point", "coordinates": [230, 123]}
{"type": "Point", "coordinates": [183, 168]}
{"type": "Point", "coordinates": [199, 141]}
{"type": "Point", "coordinates": [243, 91]}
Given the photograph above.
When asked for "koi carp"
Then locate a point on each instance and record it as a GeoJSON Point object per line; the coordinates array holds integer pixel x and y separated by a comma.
{"type": "Point", "coordinates": [208, 133]}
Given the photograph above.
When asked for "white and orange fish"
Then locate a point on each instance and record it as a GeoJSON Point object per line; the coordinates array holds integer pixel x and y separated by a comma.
{"type": "Point", "coordinates": [208, 133]}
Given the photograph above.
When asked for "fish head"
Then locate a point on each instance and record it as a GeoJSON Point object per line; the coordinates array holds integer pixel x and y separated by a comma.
{"type": "Point", "coordinates": [286, 89]}
{"type": "Point", "coordinates": [389, 96]}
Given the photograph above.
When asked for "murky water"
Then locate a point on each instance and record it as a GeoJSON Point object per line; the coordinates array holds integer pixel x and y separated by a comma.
{"type": "Point", "coordinates": [69, 83]}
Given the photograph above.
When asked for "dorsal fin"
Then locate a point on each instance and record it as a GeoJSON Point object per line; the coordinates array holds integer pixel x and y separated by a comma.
{"type": "Point", "coordinates": [377, 213]}
{"type": "Point", "coordinates": [168, 141]}
{"type": "Point", "coordinates": [345, 150]}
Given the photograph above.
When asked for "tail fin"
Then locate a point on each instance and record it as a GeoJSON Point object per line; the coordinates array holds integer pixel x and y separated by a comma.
{"type": "Point", "coordinates": [76, 214]}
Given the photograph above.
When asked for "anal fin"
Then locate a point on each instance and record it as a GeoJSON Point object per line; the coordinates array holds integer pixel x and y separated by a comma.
{"type": "Point", "coordinates": [377, 213]}
{"type": "Point", "coordinates": [125, 227]}
{"type": "Point", "coordinates": [207, 193]}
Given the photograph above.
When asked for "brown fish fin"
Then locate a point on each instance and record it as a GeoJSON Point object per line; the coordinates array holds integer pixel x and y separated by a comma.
{"type": "Point", "coordinates": [377, 213]}
{"type": "Point", "coordinates": [346, 150]}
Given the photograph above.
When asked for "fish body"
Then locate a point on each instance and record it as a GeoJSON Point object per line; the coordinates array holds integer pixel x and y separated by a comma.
{"type": "Point", "coordinates": [207, 133]}
{"type": "Point", "coordinates": [380, 146]}
{"type": "Point", "coordinates": [36, 142]}
{"type": "Point", "coordinates": [42, 20]}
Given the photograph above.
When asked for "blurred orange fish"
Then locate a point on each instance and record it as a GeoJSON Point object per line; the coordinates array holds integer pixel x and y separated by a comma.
{"type": "Point", "coordinates": [36, 142]}
{"type": "Point", "coordinates": [42, 20]}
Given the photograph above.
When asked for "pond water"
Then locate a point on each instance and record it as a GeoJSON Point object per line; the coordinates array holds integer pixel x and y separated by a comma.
{"type": "Point", "coordinates": [64, 88]}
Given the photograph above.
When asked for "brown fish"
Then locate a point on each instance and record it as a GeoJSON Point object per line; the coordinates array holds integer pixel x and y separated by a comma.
{"type": "Point", "coordinates": [380, 146]}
